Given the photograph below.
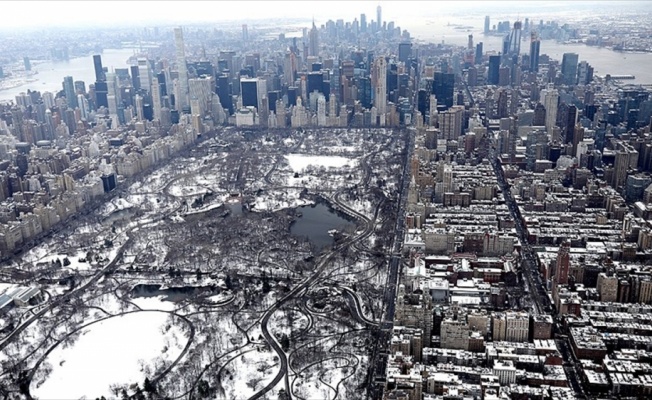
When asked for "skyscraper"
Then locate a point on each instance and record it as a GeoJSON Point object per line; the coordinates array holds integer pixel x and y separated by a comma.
{"type": "Point", "coordinates": [494, 70]}
{"type": "Point", "coordinates": [478, 53]}
{"type": "Point", "coordinates": [584, 73]}
{"type": "Point", "coordinates": [515, 40]}
{"type": "Point", "coordinates": [113, 96]}
{"type": "Point", "coordinates": [379, 18]}
{"type": "Point", "coordinates": [183, 70]}
{"type": "Point", "coordinates": [535, 45]}
{"type": "Point", "coordinates": [156, 98]}
{"type": "Point", "coordinates": [69, 91]}
{"type": "Point", "coordinates": [550, 103]}
{"type": "Point", "coordinates": [569, 68]}
{"type": "Point", "coordinates": [487, 25]}
{"type": "Point", "coordinates": [249, 92]}
{"type": "Point", "coordinates": [380, 87]}
{"type": "Point", "coordinates": [99, 71]}
{"type": "Point", "coordinates": [404, 51]}
{"type": "Point", "coordinates": [245, 33]}
{"type": "Point", "coordinates": [363, 23]}
{"type": "Point", "coordinates": [144, 74]}
{"type": "Point", "coordinates": [443, 88]}
{"type": "Point", "coordinates": [313, 49]}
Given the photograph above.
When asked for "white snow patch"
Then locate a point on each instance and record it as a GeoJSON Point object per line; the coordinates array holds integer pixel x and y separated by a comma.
{"type": "Point", "coordinates": [153, 303]}
{"type": "Point", "coordinates": [119, 350]}
{"type": "Point", "coordinates": [299, 162]}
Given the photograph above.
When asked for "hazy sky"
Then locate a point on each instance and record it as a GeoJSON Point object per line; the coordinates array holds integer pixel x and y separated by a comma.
{"type": "Point", "coordinates": [73, 14]}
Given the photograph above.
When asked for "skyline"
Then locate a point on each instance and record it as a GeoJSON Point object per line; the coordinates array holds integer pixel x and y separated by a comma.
{"type": "Point", "coordinates": [67, 14]}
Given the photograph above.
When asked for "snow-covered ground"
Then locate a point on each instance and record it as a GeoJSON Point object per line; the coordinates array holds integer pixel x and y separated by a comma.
{"type": "Point", "coordinates": [299, 162]}
{"type": "Point", "coordinates": [280, 199]}
{"type": "Point", "coordinates": [120, 350]}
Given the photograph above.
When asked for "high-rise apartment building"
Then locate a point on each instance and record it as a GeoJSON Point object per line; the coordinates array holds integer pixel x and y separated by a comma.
{"type": "Point", "coordinates": [182, 67]}
{"type": "Point", "coordinates": [380, 87]}
{"type": "Point", "coordinates": [379, 18]}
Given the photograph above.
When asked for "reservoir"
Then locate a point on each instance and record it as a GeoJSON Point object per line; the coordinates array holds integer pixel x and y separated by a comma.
{"type": "Point", "coordinates": [316, 221]}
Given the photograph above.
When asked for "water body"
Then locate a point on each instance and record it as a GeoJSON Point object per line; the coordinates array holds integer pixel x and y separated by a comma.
{"type": "Point", "coordinates": [50, 73]}
{"type": "Point", "coordinates": [174, 294]}
{"type": "Point", "coordinates": [316, 221]}
{"type": "Point", "coordinates": [604, 61]}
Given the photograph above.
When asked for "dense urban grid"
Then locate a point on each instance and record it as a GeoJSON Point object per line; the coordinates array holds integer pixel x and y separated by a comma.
{"type": "Point", "coordinates": [338, 212]}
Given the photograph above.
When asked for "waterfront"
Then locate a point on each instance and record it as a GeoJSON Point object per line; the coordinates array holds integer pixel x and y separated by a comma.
{"type": "Point", "coordinates": [50, 73]}
{"type": "Point", "coordinates": [604, 60]}
{"type": "Point", "coordinates": [447, 29]}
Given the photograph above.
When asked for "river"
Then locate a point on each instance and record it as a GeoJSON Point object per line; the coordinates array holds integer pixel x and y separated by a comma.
{"type": "Point", "coordinates": [50, 73]}
{"type": "Point", "coordinates": [604, 61]}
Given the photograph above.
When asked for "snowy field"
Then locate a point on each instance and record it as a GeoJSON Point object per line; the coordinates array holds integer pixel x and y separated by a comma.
{"type": "Point", "coordinates": [116, 351]}
{"type": "Point", "coordinates": [299, 162]}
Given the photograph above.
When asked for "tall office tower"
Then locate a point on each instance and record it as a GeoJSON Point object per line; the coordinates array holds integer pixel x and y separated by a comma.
{"type": "Point", "coordinates": [478, 53]}
{"type": "Point", "coordinates": [363, 23]}
{"type": "Point", "coordinates": [551, 101]}
{"type": "Point", "coordinates": [404, 51]}
{"type": "Point", "coordinates": [315, 82]}
{"type": "Point", "coordinates": [83, 106]}
{"type": "Point", "coordinates": [69, 91]}
{"type": "Point", "coordinates": [99, 71]}
{"type": "Point", "coordinates": [135, 77]}
{"type": "Point", "coordinates": [144, 74]}
{"type": "Point", "coordinates": [470, 44]}
{"type": "Point", "coordinates": [380, 87]}
{"type": "Point", "coordinates": [245, 33]}
{"type": "Point", "coordinates": [27, 64]}
{"type": "Point", "coordinates": [263, 103]}
{"type": "Point", "coordinates": [494, 70]}
{"type": "Point", "coordinates": [290, 68]}
{"type": "Point", "coordinates": [569, 68]}
{"type": "Point", "coordinates": [432, 111]}
{"type": "Point", "coordinates": [515, 40]}
{"type": "Point", "coordinates": [563, 264]}
{"type": "Point", "coordinates": [249, 92]}
{"type": "Point", "coordinates": [379, 18]}
{"type": "Point", "coordinates": [224, 93]}
{"type": "Point", "coordinates": [539, 115]}
{"type": "Point", "coordinates": [487, 26]}
{"type": "Point", "coordinates": [113, 97]}
{"type": "Point", "coordinates": [156, 98]}
{"type": "Point", "coordinates": [313, 48]}
{"type": "Point", "coordinates": [568, 124]}
{"type": "Point", "coordinates": [535, 46]}
{"type": "Point", "coordinates": [584, 73]}
{"type": "Point", "coordinates": [443, 88]}
{"type": "Point", "coordinates": [182, 67]}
